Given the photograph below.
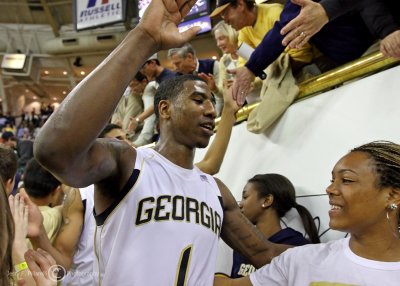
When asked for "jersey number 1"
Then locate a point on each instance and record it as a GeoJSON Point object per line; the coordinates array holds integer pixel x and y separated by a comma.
{"type": "Point", "coordinates": [183, 266]}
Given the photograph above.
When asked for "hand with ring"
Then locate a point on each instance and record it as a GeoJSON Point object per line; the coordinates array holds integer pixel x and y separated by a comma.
{"type": "Point", "coordinates": [242, 84]}
{"type": "Point", "coordinates": [311, 19]}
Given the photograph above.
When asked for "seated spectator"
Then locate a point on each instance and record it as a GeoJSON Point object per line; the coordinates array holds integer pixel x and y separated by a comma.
{"type": "Point", "coordinates": [347, 31]}
{"type": "Point", "coordinates": [227, 40]}
{"type": "Point", "coordinates": [6, 235]}
{"type": "Point", "coordinates": [131, 104]}
{"type": "Point", "coordinates": [266, 199]}
{"type": "Point", "coordinates": [153, 70]}
{"type": "Point", "coordinates": [156, 74]}
{"type": "Point", "coordinates": [8, 168]}
{"type": "Point", "coordinates": [185, 61]}
{"type": "Point", "coordinates": [147, 117]}
{"type": "Point", "coordinates": [114, 131]}
{"type": "Point", "coordinates": [313, 16]}
{"type": "Point", "coordinates": [47, 193]}
{"type": "Point", "coordinates": [8, 139]}
{"type": "Point", "coordinates": [364, 197]}
{"type": "Point", "coordinates": [253, 21]}
{"type": "Point", "coordinates": [24, 153]}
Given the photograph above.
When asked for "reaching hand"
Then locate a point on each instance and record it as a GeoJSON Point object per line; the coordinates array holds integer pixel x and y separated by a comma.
{"type": "Point", "coordinates": [35, 217]}
{"type": "Point", "coordinates": [227, 83]}
{"type": "Point", "coordinates": [20, 215]}
{"type": "Point", "coordinates": [161, 19]}
{"type": "Point", "coordinates": [242, 84]}
{"type": "Point", "coordinates": [42, 266]}
{"type": "Point", "coordinates": [133, 124]}
{"type": "Point", "coordinates": [390, 45]}
{"type": "Point", "coordinates": [229, 102]}
{"type": "Point", "coordinates": [210, 81]}
{"type": "Point", "coordinates": [311, 19]}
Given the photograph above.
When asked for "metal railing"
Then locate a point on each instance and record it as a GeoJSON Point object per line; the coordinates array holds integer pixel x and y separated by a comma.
{"type": "Point", "coordinates": [361, 67]}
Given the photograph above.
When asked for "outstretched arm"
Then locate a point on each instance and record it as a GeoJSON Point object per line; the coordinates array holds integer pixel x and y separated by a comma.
{"type": "Point", "coordinates": [212, 161]}
{"type": "Point", "coordinates": [226, 281]}
{"type": "Point", "coordinates": [240, 234]}
{"type": "Point", "coordinates": [67, 144]}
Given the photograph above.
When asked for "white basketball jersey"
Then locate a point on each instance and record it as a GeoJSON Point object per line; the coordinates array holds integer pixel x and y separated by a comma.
{"type": "Point", "coordinates": [164, 228]}
{"type": "Point", "coordinates": [81, 272]}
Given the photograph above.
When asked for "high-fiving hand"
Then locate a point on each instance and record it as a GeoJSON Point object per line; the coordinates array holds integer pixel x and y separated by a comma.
{"type": "Point", "coordinates": [161, 19]}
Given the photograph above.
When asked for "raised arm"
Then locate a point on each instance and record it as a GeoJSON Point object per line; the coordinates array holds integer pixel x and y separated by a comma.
{"type": "Point", "coordinates": [263, 55]}
{"type": "Point", "coordinates": [212, 161]}
{"type": "Point", "coordinates": [240, 234]}
{"type": "Point", "coordinates": [67, 144]}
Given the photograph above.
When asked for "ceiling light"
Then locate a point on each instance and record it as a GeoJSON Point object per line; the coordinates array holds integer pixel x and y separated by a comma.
{"type": "Point", "coordinates": [54, 98]}
{"type": "Point", "coordinates": [65, 72]}
{"type": "Point", "coordinates": [64, 92]}
{"type": "Point", "coordinates": [83, 73]}
{"type": "Point", "coordinates": [46, 72]}
{"type": "Point", "coordinates": [214, 57]}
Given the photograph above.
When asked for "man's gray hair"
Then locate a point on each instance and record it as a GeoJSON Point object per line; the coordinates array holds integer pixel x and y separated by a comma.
{"type": "Point", "coordinates": [183, 51]}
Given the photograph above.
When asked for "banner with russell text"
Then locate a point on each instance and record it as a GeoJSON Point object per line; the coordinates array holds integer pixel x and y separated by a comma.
{"type": "Point", "coordinates": [95, 13]}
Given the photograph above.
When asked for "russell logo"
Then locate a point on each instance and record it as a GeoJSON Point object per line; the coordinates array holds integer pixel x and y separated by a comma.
{"type": "Point", "coordinates": [92, 3]}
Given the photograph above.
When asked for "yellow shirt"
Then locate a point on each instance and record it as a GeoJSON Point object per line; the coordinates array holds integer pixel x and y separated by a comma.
{"type": "Point", "coordinates": [267, 15]}
{"type": "Point", "coordinates": [52, 220]}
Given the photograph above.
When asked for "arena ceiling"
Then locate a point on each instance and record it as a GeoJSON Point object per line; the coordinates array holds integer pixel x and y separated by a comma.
{"type": "Point", "coordinates": [58, 57]}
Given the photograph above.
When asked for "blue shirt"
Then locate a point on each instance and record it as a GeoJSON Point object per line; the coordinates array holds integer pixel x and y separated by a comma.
{"type": "Point", "coordinates": [342, 40]}
{"type": "Point", "coordinates": [241, 266]}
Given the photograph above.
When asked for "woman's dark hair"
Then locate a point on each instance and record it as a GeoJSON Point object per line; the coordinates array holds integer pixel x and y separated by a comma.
{"type": "Point", "coordinates": [284, 199]}
{"type": "Point", "coordinates": [386, 156]}
{"type": "Point", "coordinates": [6, 234]}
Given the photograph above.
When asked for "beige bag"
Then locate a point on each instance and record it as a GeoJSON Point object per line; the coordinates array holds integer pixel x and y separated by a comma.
{"type": "Point", "coordinates": [279, 90]}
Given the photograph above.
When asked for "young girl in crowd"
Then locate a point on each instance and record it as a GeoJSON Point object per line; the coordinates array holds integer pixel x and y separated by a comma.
{"type": "Point", "coordinates": [266, 199]}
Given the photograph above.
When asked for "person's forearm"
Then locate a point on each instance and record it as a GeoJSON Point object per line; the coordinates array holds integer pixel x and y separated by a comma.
{"type": "Point", "coordinates": [149, 111]}
{"type": "Point", "coordinates": [271, 46]}
{"type": "Point", "coordinates": [89, 106]}
{"type": "Point", "coordinates": [18, 251]}
{"type": "Point", "coordinates": [43, 242]}
{"type": "Point", "coordinates": [214, 157]}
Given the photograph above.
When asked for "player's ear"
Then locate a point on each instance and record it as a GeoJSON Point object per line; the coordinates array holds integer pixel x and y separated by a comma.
{"type": "Point", "coordinates": [164, 108]}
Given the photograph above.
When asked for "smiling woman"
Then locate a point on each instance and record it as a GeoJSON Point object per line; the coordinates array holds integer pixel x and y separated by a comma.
{"type": "Point", "coordinates": [364, 195]}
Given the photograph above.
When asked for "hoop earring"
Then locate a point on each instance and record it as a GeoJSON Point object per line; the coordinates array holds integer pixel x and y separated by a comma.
{"type": "Point", "coordinates": [391, 207]}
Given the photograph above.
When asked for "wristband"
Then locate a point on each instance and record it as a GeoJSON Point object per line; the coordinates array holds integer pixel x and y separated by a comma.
{"type": "Point", "coordinates": [20, 267]}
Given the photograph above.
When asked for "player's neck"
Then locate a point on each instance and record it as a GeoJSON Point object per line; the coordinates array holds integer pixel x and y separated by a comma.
{"type": "Point", "coordinates": [178, 154]}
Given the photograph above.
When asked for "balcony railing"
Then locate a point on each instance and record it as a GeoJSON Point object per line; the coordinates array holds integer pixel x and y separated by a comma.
{"type": "Point", "coordinates": [361, 67]}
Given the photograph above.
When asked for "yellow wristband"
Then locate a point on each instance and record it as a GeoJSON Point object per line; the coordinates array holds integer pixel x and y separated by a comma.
{"type": "Point", "coordinates": [20, 266]}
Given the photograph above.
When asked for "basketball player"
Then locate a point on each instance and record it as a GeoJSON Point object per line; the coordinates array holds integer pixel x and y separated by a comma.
{"type": "Point", "coordinates": [158, 218]}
